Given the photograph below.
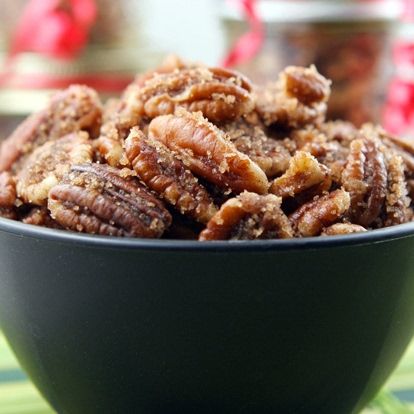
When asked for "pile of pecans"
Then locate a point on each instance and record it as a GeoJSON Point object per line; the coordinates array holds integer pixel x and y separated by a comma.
{"type": "Point", "coordinates": [192, 152]}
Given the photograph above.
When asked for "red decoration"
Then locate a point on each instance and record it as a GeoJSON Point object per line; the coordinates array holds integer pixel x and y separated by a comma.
{"type": "Point", "coordinates": [248, 45]}
{"type": "Point", "coordinates": [58, 28]}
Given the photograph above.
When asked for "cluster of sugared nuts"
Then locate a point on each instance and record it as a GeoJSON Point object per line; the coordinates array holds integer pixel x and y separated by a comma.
{"type": "Point", "coordinates": [195, 152]}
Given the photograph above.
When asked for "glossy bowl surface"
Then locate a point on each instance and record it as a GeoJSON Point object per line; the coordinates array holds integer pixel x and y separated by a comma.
{"type": "Point", "coordinates": [106, 325]}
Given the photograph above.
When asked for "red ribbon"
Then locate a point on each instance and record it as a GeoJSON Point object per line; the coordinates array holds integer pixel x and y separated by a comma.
{"type": "Point", "coordinates": [249, 44]}
{"type": "Point", "coordinates": [57, 28]}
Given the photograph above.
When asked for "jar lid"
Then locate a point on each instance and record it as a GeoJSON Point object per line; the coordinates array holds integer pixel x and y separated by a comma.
{"type": "Point", "coordinates": [321, 10]}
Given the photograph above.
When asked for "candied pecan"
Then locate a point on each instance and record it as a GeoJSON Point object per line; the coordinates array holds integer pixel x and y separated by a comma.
{"type": "Point", "coordinates": [165, 174]}
{"type": "Point", "coordinates": [342, 228]}
{"type": "Point", "coordinates": [119, 118]}
{"type": "Point", "coordinates": [220, 94]}
{"type": "Point", "coordinates": [169, 64]}
{"type": "Point", "coordinates": [341, 131]}
{"type": "Point", "coordinates": [247, 217]}
{"type": "Point", "coordinates": [365, 178]}
{"type": "Point", "coordinates": [397, 203]}
{"type": "Point", "coordinates": [304, 172]}
{"type": "Point", "coordinates": [299, 97]}
{"type": "Point", "coordinates": [99, 199]}
{"type": "Point", "coordinates": [208, 152]}
{"type": "Point", "coordinates": [40, 216]}
{"type": "Point", "coordinates": [270, 155]}
{"type": "Point", "coordinates": [7, 196]}
{"type": "Point", "coordinates": [46, 165]}
{"type": "Point", "coordinates": [403, 147]}
{"type": "Point", "coordinates": [311, 218]}
{"type": "Point", "coordinates": [74, 109]}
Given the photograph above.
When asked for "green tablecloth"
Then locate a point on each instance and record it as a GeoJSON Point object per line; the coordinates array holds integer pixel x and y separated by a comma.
{"type": "Point", "coordinates": [18, 395]}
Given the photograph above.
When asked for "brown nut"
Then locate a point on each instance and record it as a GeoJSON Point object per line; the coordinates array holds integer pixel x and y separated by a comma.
{"type": "Point", "coordinates": [166, 175]}
{"type": "Point", "coordinates": [365, 178]}
{"type": "Point", "coordinates": [397, 202]}
{"type": "Point", "coordinates": [208, 152]}
{"type": "Point", "coordinates": [74, 109]}
{"type": "Point", "coordinates": [249, 216]}
{"type": "Point", "coordinates": [99, 199]}
{"type": "Point", "coordinates": [40, 216]}
{"type": "Point", "coordinates": [8, 196]}
{"type": "Point", "coordinates": [299, 97]}
{"type": "Point", "coordinates": [339, 229]}
{"type": "Point", "coordinates": [119, 117]}
{"type": "Point", "coordinates": [304, 172]}
{"type": "Point", "coordinates": [270, 155]}
{"type": "Point", "coordinates": [220, 94]}
{"type": "Point", "coordinates": [46, 166]}
{"type": "Point", "coordinates": [311, 218]}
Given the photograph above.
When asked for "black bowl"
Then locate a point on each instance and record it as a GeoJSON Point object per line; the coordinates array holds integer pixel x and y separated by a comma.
{"type": "Point", "coordinates": [106, 325]}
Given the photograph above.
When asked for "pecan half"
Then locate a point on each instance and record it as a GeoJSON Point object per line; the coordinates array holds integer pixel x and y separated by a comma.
{"type": "Point", "coordinates": [297, 98]}
{"type": "Point", "coordinates": [220, 94]}
{"type": "Point", "coordinates": [99, 199]}
{"type": "Point", "coordinates": [44, 168]}
{"type": "Point", "coordinates": [249, 216]}
{"type": "Point", "coordinates": [74, 109]}
{"type": "Point", "coordinates": [311, 218]}
{"type": "Point", "coordinates": [270, 155]}
{"type": "Point", "coordinates": [8, 196]}
{"type": "Point", "coordinates": [304, 172]}
{"type": "Point", "coordinates": [208, 152]}
{"type": "Point", "coordinates": [339, 229]}
{"type": "Point", "coordinates": [165, 174]}
{"type": "Point", "coordinates": [365, 178]}
{"type": "Point", "coordinates": [397, 202]}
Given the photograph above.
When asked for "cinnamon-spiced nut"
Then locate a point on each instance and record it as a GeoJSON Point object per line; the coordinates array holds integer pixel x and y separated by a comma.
{"type": "Point", "coordinates": [340, 229]}
{"type": "Point", "coordinates": [303, 173]}
{"type": "Point", "coordinates": [247, 217]}
{"type": "Point", "coordinates": [208, 152]}
{"type": "Point", "coordinates": [311, 218]}
{"type": "Point", "coordinates": [297, 98]}
{"type": "Point", "coordinates": [220, 94]}
{"type": "Point", "coordinates": [365, 178]}
{"type": "Point", "coordinates": [270, 155]}
{"type": "Point", "coordinates": [8, 196]}
{"type": "Point", "coordinates": [99, 199]}
{"type": "Point", "coordinates": [167, 176]}
{"type": "Point", "coordinates": [76, 108]}
{"type": "Point", "coordinates": [397, 203]}
{"type": "Point", "coordinates": [44, 168]}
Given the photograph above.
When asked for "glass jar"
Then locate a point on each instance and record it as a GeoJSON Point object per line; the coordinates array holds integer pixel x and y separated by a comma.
{"type": "Point", "coordinates": [348, 41]}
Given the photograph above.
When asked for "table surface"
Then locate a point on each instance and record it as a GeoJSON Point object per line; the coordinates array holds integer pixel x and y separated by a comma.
{"type": "Point", "coordinates": [18, 395]}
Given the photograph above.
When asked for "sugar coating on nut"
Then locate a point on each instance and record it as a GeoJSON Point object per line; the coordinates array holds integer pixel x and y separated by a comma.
{"type": "Point", "coordinates": [8, 196]}
{"type": "Point", "coordinates": [365, 178]}
{"type": "Point", "coordinates": [208, 152]}
{"type": "Point", "coordinates": [166, 175]}
{"type": "Point", "coordinates": [340, 229]}
{"type": "Point", "coordinates": [76, 108]}
{"type": "Point", "coordinates": [297, 98]}
{"type": "Point", "coordinates": [220, 94]}
{"type": "Point", "coordinates": [99, 199]}
{"type": "Point", "coordinates": [271, 155]}
{"type": "Point", "coordinates": [303, 173]}
{"type": "Point", "coordinates": [48, 164]}
{"type": "Point", "coordinates": [247, 217]}
{"type": "Point", "coordinates": [311, 218]}
{"type": "Point", "coordinates": [397, 203]}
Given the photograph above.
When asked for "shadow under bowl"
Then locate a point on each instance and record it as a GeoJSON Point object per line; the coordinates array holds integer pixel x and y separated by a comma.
{"type": "Point", "coordinates": [107, 325]}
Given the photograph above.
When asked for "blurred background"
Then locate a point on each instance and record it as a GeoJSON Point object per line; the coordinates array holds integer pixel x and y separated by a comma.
{"type": "Point", "coordinates": [365, 46]}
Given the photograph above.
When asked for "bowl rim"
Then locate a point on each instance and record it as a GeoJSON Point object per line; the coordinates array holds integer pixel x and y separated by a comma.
{"type": "Point", "coordinates": [23, 230]}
